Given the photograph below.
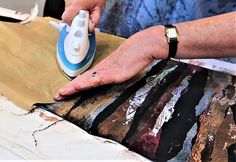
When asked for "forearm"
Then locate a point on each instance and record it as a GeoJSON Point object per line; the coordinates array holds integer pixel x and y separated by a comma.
{"type": "Point", "coordinates": [204, 38]}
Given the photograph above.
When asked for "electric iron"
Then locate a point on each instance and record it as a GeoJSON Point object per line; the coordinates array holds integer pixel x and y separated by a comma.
{"type": "Point", "coordinates": [76, 46]}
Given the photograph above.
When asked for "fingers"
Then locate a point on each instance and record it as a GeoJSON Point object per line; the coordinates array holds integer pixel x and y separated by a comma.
{"type": "Point", "coordinates": [89, 79]}
{"type": "Point", "coordinates": [70, 13]}
{"type": "Point", "coordinates": [73, 8]}
{"type": "Point", "coordinates": [94, 18]}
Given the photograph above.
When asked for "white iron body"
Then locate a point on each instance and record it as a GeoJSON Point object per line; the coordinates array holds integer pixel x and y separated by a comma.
{"type": "Point", "coordinates": [76, 47]}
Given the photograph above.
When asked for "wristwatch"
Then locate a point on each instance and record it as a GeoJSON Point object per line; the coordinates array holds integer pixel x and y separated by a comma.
{"type": "Point", "coordinates": [172, 36]}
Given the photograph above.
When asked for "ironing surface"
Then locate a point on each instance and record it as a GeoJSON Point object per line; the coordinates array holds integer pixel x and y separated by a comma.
{"type": "Point", "coordinates": [29, 70]}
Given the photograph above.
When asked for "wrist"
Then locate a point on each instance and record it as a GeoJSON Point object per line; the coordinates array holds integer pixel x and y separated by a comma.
{"type": "Point", "coordinates": [159, 42]}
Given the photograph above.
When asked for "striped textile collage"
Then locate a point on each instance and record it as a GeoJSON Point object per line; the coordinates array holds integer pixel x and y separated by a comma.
{"type": "Point", "coordinates": [173, 112]}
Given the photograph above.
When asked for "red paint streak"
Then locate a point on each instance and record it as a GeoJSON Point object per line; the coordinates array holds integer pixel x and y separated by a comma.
{"type": "Point", "coordinates": [147, 144]}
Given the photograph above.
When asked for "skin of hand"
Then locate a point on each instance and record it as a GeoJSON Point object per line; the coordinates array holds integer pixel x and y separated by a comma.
{"type": "Point", "coordinates": [94, 7]}
{"type": "Point", "coordinates": [211, 37]}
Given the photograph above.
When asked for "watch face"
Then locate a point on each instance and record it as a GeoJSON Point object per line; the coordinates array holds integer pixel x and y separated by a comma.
{"type": "Point", "coordinates": [172, 33]}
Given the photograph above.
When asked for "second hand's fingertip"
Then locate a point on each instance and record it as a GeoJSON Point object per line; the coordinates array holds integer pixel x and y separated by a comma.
{"type": "Point", "coordinates": [66, 18]}
{"type": "Point", "coordinates": [91, 27]}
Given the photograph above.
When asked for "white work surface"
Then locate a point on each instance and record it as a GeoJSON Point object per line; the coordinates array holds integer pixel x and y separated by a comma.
{"type": "Point", "coordinates": [61, 141]}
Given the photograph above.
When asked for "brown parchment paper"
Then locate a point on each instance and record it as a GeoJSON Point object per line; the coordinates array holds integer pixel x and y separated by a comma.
{"type": "Point", "coordinates": [28, 68]}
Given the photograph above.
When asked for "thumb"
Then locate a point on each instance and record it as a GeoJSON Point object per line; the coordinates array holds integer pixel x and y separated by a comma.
{"type": "Point", "coordinates": [70, 13]}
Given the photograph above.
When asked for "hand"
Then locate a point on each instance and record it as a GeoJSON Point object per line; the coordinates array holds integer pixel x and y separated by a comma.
{"type": "Point", "coordinates": [93, 6]}
{"type": "Point", "coordinates": [124, 63]}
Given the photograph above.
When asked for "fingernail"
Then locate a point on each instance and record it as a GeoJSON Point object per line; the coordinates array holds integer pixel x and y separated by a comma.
{"type": "Point", "coordinates": [57, 97]}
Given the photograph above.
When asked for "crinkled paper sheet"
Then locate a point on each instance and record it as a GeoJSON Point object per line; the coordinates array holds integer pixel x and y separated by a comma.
{"type": "Point", "coordinates": [29, 71]}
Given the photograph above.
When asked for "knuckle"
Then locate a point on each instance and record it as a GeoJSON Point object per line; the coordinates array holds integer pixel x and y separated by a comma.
{"type": "Point", "coordinates": [76, 85]}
